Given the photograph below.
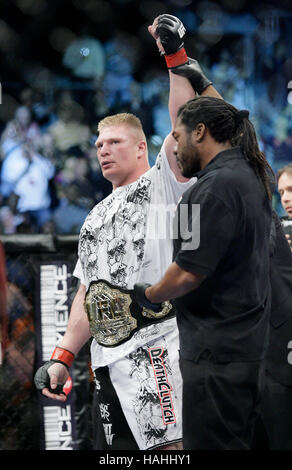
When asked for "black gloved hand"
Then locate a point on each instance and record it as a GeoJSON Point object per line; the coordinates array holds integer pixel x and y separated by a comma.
{"type": "Point", "coordinates": [42, 379]}
{"type": "Point", "coordinates": [194, 73]}
{"type": "Point", "coordinates": [141, 299]}
{"type": "Point", "coordinates": [171, 32]}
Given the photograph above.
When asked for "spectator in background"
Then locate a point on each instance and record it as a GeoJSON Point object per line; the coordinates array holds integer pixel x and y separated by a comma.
{"type": "Point", "coordinates": [10, 219]}
{"type": "Point", "coordinates": [225, 74]}
{"type": "Point", "coordinates": [25, 127]}
{"type": "Point", "coordinates": [96, 102]}
{"type": "Point", "coordinates": [18, 130]}
{"type": "Point", "coordinates": [76, 191]}
{"type": "Point", "coordinates": [29, 128]}
{"type": "Point", "coordinates": [25, 176]}
{"type": "Point", "coordinates": [11, 143]}
{"type": "Point", "coordinates": [41, 112]}
{"type": "Point", "coordinates": [285, 188]}
{"type": "Point", "coordinates": [283, 145]}
{"type": "Point", "coordinates": [284, 178]}
{"type": "Point", "coordinates": [121, 57]}
{"type": "Point", "coordinates": [69, 129]}
{"type": "Point", "coordinates": [141, 108]}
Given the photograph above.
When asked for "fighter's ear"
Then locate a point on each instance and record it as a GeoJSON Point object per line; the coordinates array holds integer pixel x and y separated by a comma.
{"type": "Point", "coordinates": [142, 148]}
{"type": "Point", "coordinates": [199, 132]}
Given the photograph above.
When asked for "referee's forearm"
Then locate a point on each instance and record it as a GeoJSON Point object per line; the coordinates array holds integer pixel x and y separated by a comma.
{"type": "Point", "coordinates": [175, 283]}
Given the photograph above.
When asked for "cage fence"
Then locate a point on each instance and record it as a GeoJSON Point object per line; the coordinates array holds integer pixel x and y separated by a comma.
{"type": "Point", "coordinates": [38, 292]}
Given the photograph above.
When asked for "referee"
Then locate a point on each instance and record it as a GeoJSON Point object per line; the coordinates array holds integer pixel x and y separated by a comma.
{"type": "Point", "coordinates": [221, 284]}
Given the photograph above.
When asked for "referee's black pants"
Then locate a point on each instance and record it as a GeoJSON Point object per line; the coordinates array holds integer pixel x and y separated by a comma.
{"type": "Point", "coordinates": [221, 403]}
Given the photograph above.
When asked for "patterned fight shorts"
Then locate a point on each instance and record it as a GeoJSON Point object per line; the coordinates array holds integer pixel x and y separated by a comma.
{"type": "Point", "coordinates": [139, 397]}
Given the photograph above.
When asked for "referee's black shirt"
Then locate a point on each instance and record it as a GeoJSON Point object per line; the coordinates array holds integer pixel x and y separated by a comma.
{"type": "Point", "coordinates": [228, 314]}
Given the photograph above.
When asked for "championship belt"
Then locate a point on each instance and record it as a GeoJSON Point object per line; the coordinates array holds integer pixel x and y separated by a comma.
{"type": "Point", "coordinates": [114, 315]}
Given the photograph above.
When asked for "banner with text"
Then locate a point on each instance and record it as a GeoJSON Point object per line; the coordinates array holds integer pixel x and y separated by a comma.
{"type": "Point", "coordinates": [58, 429]}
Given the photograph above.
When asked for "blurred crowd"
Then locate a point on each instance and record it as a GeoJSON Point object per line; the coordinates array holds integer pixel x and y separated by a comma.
{"type": "Point", "coordinates": [50, 176]}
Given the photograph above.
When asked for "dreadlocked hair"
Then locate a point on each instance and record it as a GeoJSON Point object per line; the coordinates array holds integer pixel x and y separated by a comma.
{"type": "Point", "coordinates": [227, 123]}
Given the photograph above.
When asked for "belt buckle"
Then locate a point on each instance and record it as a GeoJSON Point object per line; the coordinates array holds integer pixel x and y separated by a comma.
{"type": "Point", "coordinates": [109, 315]}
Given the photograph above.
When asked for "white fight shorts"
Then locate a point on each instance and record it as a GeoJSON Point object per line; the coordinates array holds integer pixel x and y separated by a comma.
{"type": "Point", "coordinates": [140, 396]}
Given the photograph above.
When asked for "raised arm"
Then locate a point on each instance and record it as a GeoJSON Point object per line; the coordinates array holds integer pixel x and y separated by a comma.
{"type": "Point", "coordinates": [186, 78]}
{"type": "Point", "coordinates": [180, 89]}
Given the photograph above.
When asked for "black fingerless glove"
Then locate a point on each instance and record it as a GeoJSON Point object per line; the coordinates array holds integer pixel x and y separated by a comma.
{"type": "Point", "coordinates": [171, 32]}
{"type": "Point", "coordinates": [42, 378]}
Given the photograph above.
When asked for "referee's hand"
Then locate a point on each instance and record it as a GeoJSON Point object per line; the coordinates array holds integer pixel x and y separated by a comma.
{"type": "Point", "coordinates": [141, 299]}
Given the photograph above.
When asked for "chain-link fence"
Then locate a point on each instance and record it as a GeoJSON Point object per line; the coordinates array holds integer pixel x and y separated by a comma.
{"type": "Point", "coordinates": [21, 413]}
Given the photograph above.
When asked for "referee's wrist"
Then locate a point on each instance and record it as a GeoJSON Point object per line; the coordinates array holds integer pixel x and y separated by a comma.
{"type": "Point", "coordinates": [148, 292]}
